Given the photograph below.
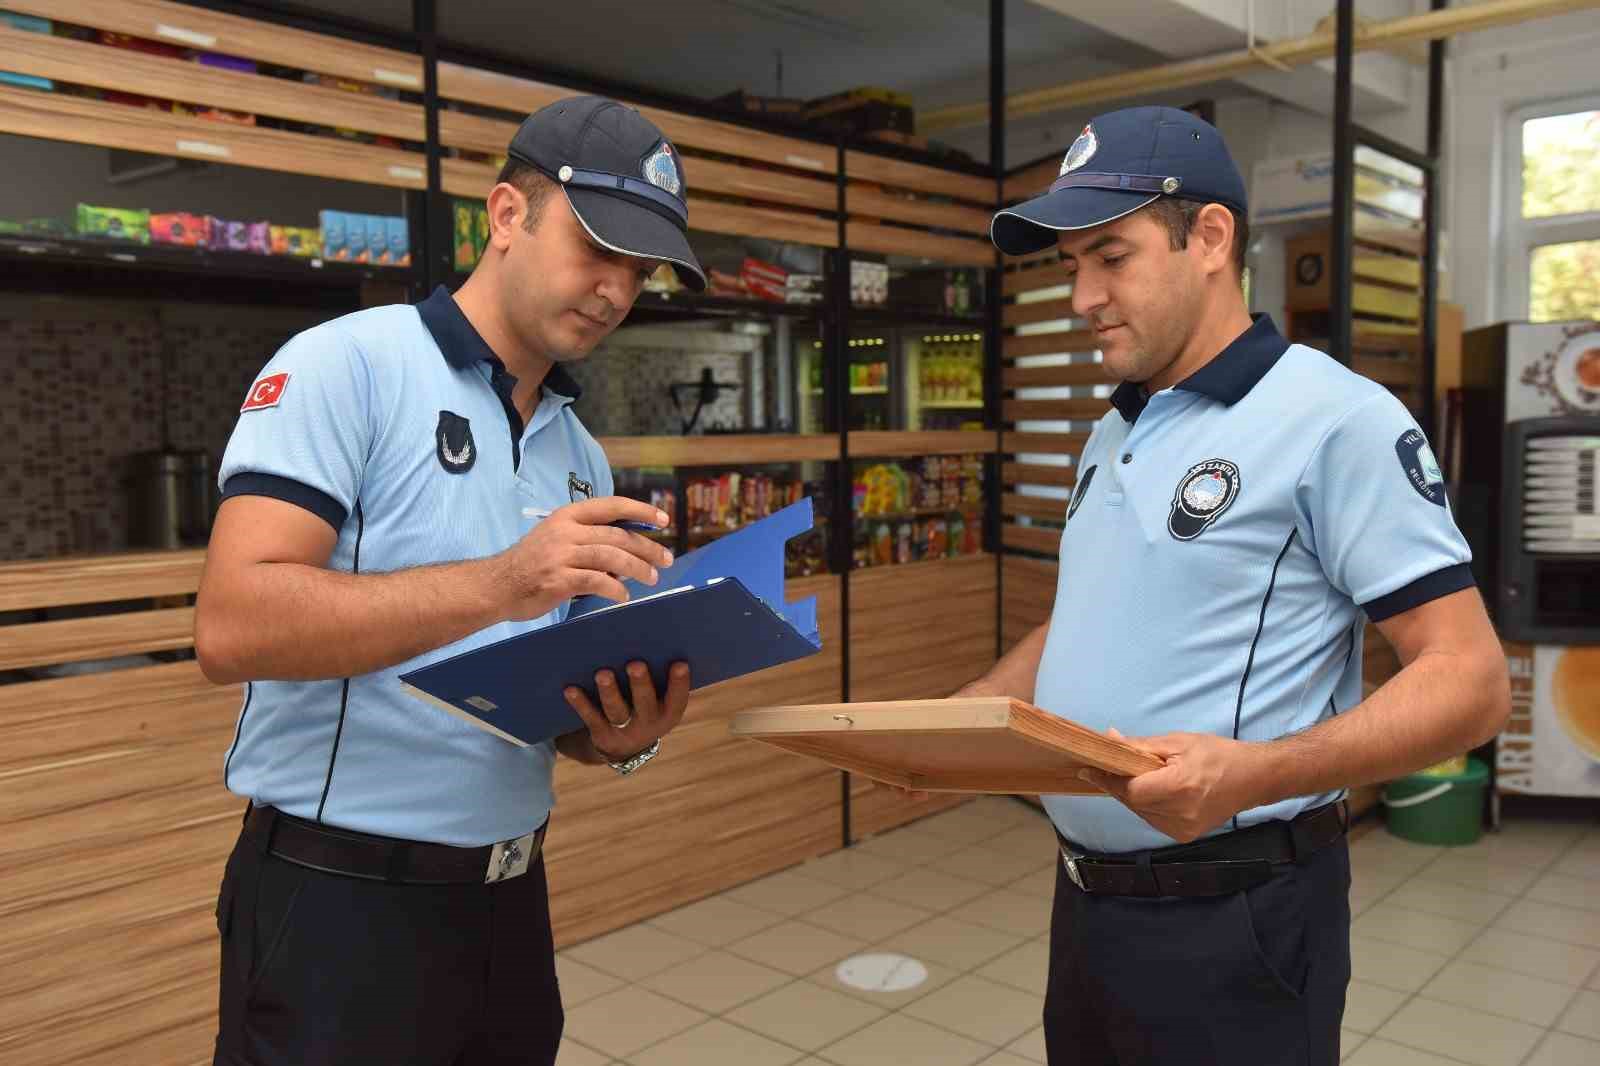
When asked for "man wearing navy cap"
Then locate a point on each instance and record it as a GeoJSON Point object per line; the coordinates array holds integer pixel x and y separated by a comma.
{"type": "Point", "coordinates": [1238, 516]}
{"type": "Point", "coordinates": [386, 900]}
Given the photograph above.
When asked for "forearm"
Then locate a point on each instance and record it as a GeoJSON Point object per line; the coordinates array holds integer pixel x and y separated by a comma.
{"type": "Point", "coordinates": [1439, 705]}
{"type": "Point", "coordinates": [1017, 672]}
{"type": "Point", "coordinates": [294, 622]}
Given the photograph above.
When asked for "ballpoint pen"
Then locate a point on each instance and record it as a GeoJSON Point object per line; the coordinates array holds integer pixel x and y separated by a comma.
{"type": "Point", "coordinates": [635, 527]}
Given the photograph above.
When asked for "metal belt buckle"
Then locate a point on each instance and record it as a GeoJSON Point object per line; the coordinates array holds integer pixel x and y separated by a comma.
{"type": "Point", "coordinates": [510, 858]}
{"type": "Point", "coordinates": [1070, 861]}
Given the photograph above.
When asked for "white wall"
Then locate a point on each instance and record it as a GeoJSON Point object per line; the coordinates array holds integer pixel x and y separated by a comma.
{"type": "Point", "coordinates": [1494, 74]}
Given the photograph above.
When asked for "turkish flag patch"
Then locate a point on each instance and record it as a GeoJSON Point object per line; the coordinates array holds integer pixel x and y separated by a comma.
{"type": "Point", "coordinates": [266, 392]}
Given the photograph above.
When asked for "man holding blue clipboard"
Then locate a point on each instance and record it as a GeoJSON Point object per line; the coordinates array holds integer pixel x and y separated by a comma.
{"type": "Point", "coordinates": [405, 484]}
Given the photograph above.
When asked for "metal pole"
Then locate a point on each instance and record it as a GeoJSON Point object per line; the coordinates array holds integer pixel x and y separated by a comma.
{"type": "Point", "coordinates": [435, 254]}
{"type": "Point", "coordinates": [991, 348]}
{"type": "Point", "coordinates": [1344, 148]}
{"type": "Point", "coordinates": [1428, 414]}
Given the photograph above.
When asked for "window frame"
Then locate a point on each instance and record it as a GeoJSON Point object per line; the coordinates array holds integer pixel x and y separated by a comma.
{"type": "Point", "coordinates": [1523, 235]}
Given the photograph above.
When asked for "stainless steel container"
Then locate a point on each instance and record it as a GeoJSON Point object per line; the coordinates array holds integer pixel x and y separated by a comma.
{"type": "Point", "coordinates": [199, 497]}
{"type": "Point", "coordinates": [155, 504]}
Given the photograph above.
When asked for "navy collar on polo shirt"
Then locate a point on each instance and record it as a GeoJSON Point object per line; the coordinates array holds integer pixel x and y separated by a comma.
{"type": "Point", "coordinates": [1228, 378]}
{"type": "Point", "coordinates": [463, 346]}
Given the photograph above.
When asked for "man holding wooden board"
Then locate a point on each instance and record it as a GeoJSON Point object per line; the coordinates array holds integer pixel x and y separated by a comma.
{"type": "Point", "coordinates": [1239, 515]}
{"type": "Point", "coordinates": [404, 484]}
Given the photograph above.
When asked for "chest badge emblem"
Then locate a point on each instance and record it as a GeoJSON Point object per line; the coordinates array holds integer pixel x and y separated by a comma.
{"type": "Point", "coordinates": [1204, 492]}
{"type": "Point", "coordinates": [453, 443]}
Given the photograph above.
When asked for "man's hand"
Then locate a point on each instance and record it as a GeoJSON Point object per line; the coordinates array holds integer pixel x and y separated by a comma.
{"type": "Point", "coordinates": [1207, 780]}
{"type": "Point", "coordinates": [577, 552]}
{"type": "Point", "coordinates": [621, 728]}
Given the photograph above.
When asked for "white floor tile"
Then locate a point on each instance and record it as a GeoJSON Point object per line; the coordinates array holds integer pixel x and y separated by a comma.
{"type": "Point", "coordinates": [1476, 870]}
{"type": "Point", "coordinates": [1487, 988]}
{"type": "Point", "coordinates": [1563, 1049]}
{"type": "Point", "coordinates": [1459, 1033]}
{"type": "Point", "coordinates": [1349, 1041]}
{"type": "Point", "coordinates": [1554, 923]}
{"type": "Point", "coordinates": [981, 1009]}
{"type": "Point", "coordinates": [1583, 1016]}
{"type": "Point", "coordinates": [1534, 955]}
{"type": "Point", "coordinates": [1566, 891]}
{"type": "Point", "coordinates": [1375, 1052]}
{"type": "Point", "coordinates": [715, 1043]}
{"type": "Point", "coordinates": [1423, 893]}
{"type": "Point", "coordinates": [1415, 929]}
{"type": "Point", "coordinates": [1393, 965]}
{"type": "Point", "coordinates": [1367, 1006]}
{"type": "Point", "coordinates": [1029, 1045]}
{"type": "Point", "coordinates": [898, 1039]}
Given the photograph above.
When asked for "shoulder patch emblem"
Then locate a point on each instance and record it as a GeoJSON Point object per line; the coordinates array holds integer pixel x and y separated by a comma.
{"type": "Point", "coordinates": [1421, 468]}
{"type": "Point", "coordinates": [266, 392]}
{"type": "Point", "coordinates": [454, 445]}
{"type": "Point", "coordinates": [1203, 493]}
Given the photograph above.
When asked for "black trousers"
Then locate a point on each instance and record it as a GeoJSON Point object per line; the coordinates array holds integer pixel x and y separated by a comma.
{"type": "Point", "coordinates": [1256, 977]}
{"type": "Point", "coordinates": [320, 969]}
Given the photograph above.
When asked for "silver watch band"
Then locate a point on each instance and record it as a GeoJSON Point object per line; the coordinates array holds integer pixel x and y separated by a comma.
{"type": "Point", "coordinates": [632, 763]}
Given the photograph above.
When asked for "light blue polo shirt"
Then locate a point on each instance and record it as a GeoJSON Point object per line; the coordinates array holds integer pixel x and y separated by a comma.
{"type": "Point", "coordinates": [395, 426]}
{"type": "Point", "coordinates": [1224, 546]}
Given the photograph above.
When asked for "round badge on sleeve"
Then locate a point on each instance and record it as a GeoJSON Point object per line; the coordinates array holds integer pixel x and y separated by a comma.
{"type": "Point", "coordinates": [1204, 492]}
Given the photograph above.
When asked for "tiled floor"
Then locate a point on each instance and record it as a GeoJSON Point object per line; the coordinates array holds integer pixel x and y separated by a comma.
{"type": "Point", "coordinates": [1488, 955]}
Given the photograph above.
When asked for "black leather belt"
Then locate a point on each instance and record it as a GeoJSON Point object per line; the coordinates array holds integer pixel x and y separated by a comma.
{"type": "Point", "coordinates": [1216, 866]}
{"type": "Point", "coordinates": [378, 858]}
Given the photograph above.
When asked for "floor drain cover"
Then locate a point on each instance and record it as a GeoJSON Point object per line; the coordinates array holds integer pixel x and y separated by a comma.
{"type": "Point", "coordinates": [882, 973]}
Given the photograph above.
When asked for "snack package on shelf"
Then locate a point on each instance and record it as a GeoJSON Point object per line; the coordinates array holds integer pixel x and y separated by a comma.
{"type": "Point", "coordinates": [335, 237]}
{"type": "Point", "coordinates": [180, 228]}
{"type": "Point", "coordinates": [296, 241]}
{"type": "Point", "coordinates": [140, 44]}
{"type": "Point", "coordinates": [399, 231]}
{"type": "Point", "coordinates": [465, 250]}
{"type": "Point", "coordinates": [377, 230]}
{"type": "Point", "coordinates": [764, 280]}
{"type": "Point", "coordinates": [114, 223]}
{"type": "Point", "coordinates": [869, 282]}
{"type": "Point", "coordinates": [803, 289]}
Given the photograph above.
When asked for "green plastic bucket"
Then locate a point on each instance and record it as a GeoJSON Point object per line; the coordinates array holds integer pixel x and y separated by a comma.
{"type": "Point", "coordinates": [1444, 809]}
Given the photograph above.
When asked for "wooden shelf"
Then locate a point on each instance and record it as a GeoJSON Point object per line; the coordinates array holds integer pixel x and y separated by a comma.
{"type": "Point", "coordinates": [719, 450]}
{"type": "Point", "coordinates": [874, 203]}
{"type": "Point", "coordinates": [128, 258]}
{"type": "Point", "coordinates": [877, 444]}
{"type": "Point", "coordinates": [898, 240]}
{"type": "Point", "coordinates": [69, 118]}
{"type": "Point", "coordinates": [918, 177]}
{"type": "Point", "coordinates": [186, 26]}
{"type": "Point", "coordinates": [508, 93]}
{"type": "Point", "coordinates": [951, 405]}
{"type": "Point", "coordinates": [82, 63]}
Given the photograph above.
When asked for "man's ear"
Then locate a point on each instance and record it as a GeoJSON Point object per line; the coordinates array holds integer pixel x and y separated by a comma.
{"type": "Point", "coordinates": [1212, 236]}
{"type": "Point", "coordinates": [508, 209]}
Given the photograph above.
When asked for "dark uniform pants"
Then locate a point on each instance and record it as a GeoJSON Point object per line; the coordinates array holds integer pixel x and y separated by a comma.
{"type": "Point", "coordinates": [321, 969]}
{"type": "Point", "coordinates": [1257, 977]}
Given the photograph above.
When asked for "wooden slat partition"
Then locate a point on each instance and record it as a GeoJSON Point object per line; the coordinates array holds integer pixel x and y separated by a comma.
{"type": "Point", "coordinates": [193, 27]}
{"type": "Point", "coordinates": [55, 116]}
{"type": "Point", "coordinates": [898, 240]}
{"type": "Point", "coordinates": [714, 810]}
{"type": "Point", "coordinates": [1038, 539]}
{"type": "Point", "coordinates": [113, 821]}
{"type": "Point", "coordinates": [1068, 340]}
{"type": "Point", "coordinates": [1043, 443]}
{"type": "Point", "coordinates": [1063, 375]}
{"type": "Point", "coordinates": [735, 449]}
{"type": "Point", "coordinates": [1038, 474]}
{"type": "Point", "coordinates": [877, 444]}
{"type": "Point", "coordinates": [870, 202]}
{"type": "Point", "coordinates": [1024, 278]}
{"type": "Point", "coordinates": [1030, 181]}
{"type": "Point", "coordinates": [864, 166]}
{"type": "Point", "coordinates": [1044, 508]}
{"type": "Point", "coordinates": [1028, 588]}
{"type": "Point", "coordinates": [1038, 311]}
{"type": "Point", "coordinates": [508, 93]}
{"type": "Point", "coordinates": [83, 63]}
{"type": "Point", "coordinates": [1081, 409]}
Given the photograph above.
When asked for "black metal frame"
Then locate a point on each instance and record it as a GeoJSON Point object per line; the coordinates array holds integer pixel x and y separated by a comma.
{"type": "Point", "coordinates": [1344, 185]}
{"type": "Point", "coordinates": [991, 366]}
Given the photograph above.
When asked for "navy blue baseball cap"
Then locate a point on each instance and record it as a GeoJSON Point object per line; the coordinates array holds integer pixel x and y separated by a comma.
{"type": "Point", "coordinates": [1122, 161]}
{"type": "Point", "coordinates": [621, 175]}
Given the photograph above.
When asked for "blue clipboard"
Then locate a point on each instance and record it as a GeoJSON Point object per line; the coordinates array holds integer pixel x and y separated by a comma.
{"type": "Point", "coordinates": [721, 609]}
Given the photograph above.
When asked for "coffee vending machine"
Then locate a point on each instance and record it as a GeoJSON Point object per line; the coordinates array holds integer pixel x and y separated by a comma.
{"type": "Point", "coordinates": [1524, 439]}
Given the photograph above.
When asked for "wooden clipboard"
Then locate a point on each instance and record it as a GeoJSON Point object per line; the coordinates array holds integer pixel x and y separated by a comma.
{"type": "Point", "coordinates": [988, 744]}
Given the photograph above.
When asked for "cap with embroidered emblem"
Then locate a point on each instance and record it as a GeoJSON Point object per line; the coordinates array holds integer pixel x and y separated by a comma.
{"type": "Point", "coordinates": [1122, 161]}
{"type": "Point", "coordinates": [622, 177]}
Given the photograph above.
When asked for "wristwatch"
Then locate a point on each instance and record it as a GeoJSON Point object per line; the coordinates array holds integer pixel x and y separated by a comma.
{"type": "Point", "coordinates": [633, 762]}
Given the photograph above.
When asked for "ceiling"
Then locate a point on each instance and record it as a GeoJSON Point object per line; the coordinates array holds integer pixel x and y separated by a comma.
{"type": "Point", "coordinates": [936, 50]}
